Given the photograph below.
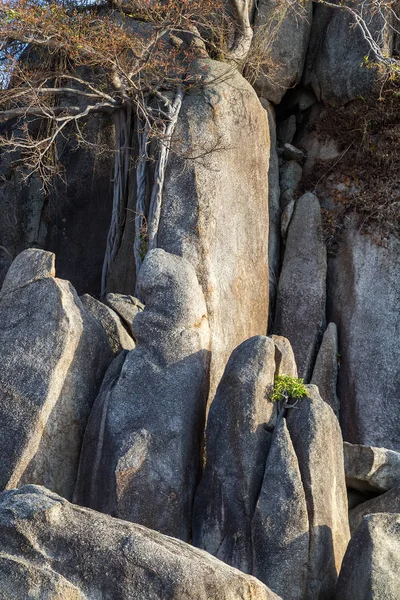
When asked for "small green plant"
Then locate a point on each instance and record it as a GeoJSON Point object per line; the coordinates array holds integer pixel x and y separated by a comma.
{"type": "Point", "coordinates": [287, 388]}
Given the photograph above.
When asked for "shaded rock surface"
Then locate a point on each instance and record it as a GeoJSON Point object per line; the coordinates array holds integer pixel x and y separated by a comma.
{"type": "Point", "coordinates": [385, 503]}
{"type": "Point", "coordinates": [300, 310]}
{"type": "Point", "coordinates": [280, 528]}
{"type": "Point", "coordinates": [274, 210]}
{"type": "Point", "coordinates": [317, 441]}
{"type": "Point", "coordinates": [281, 62]}
{"type": "Point", "coordinates": [52, 549]}
{"type": "Point", "coordinates": [54, 355]}
{"type": "Point", "coordinates": [334, 67]}
{"type": "Point", "coordinates": [326, 366]}
{"type": "Point", "coordinates": [141, 452]}
{"type": "Point", "coordinates": [237, 445]}
{"type": "Point", "coordinates": [372, 562]}
{"type": "Point", "coordinates": [74, 221]}
{"type": "Point", "coordinates": [127, 307]}
{"type": "Point", "coordinates": [369, 468]}
{"type": "Point", "coordinates": [215, 209]}
{"type": "Point", "coordinates": [118, 336]}
{"type": "Point", "coordinates": [363, 290]}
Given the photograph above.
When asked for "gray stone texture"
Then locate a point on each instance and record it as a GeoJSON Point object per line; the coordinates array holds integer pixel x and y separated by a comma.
{"type": "Point", "coordinates": [334, 67]}
{"type": "Point", "coordinates": [215, 208]}
{"type": "Point", "coordinates": [317, 441]}
{"type": "Point", "coordinates": [127, 307]}
{"type": "Point", "coordinates": [369, 468]}
{"type": "Point", "coordinates": [326, 367]}
{"type": "Point", "coordinates": [281, 34]}
{"type": "Point", "coordinates": [280, 528]}
{"type": "Point", "coordinates": [237, 446]}
{"type": "Point", "coordinates": [141, 453]}
{"type": "Point", "coordinates": [53, 550]}
{"type": "Point", "coordinates": [363, 291]}
{"type": "Point", "coordinates": [54, 355]}
{"type": "Point", "coordinates": [384, 503]}
{"type": "Point", "coordinates": [274, 211]}
{"type": "Point", "coordinates": [300, 310]}
{"type": "Point", "coordinates": [118, 337]}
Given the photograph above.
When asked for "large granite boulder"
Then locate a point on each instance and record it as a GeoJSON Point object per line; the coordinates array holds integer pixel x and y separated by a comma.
{"type": "Point", "coordinates": [369, 468]}
{"type": "Point", "coordinates": [363, 291]}
{"type": "Point", "coordinates": [215, 206]}
{"type": "Point", "coordinates": [141, 453]}
{"type": "Point", "coordinates": [73, 221]}
{"type": "Point", "coordinates": [318, 444]}
{"type": "Point", "coordinates": [325, 372]}
{"type": "Point", "coordinates": [371, 565]}
{"type": "Point", "coordinates": [278, 52]}
{"type": "Point", "coordinates": [335, 68]}
{"type": "Point", "coordinates": [300, 306]}
{"type": "Point", "coordinates": [52, 549]}
{"type": "Point", "coordinates": [384, 503]}
{"type": "Point", "coordinates": [280, 528]}
{"type": "Point", "coordinates": [274, 211]}
{"type": "Point", "coordinates": [54, 355]}
{"type": "Point", "coordinates": [237, 446]}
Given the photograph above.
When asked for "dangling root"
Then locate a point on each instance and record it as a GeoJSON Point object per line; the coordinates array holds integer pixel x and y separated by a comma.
{"type": "Point", "coordinates": [153, 220]}
{"type": "Point", "coordinates": [122, 124]}
{"type": "Point", "coordinates": [159, 175]}
{"type": "Point", "coordinates": [141, 168]}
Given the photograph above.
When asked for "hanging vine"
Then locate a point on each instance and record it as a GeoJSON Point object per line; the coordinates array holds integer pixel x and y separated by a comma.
{"type": "Point", "coordinates": [146, 229]}
{"type": "Point", "coordinates": [123, 140]}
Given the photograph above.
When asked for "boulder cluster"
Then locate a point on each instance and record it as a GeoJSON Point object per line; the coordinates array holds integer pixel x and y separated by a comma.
{"type": "Point", "coordinates": [142, 453]}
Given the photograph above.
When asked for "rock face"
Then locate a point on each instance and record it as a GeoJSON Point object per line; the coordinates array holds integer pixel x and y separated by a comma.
{"type": "Point", "coordinates": [141, 452]}
{"type": "Point", "coordinates": [363, 288]}
{"type": "Point", "coordinates": [325, 371]}
{"type": "Point", "coordinates": [385, 503]}
{"type": "Point", "coordinates": [280, 528]}
{"type": "Point", "coordinates": [53, 549]}
{"type": "Point", "coordinates": [127, 307]}
{"type": "Point", "coordinates": [75, 225]}
{"type": "Point", "coordinates": [300, 310]}
{"type": "Point", "coordinates": [281, 62]}
{"type": "Point", "coordinates": [237, 445]}
{"type": "Point", "coordinates": [372, 562]}
{"type": "Point", "coordinates": [369, 468]}
{"type": "Point", "coordinates": [118, 337]}
{"type": "Point", "coordinates": [215, 209]}
{"type": "Point", "coordinates": [274, 210]}
{"type": "Point", "coordinates": [317, 441]}
{"type": "Point", "coordinates": [54, 355]}
{"type": "Point", "coordinates": [334, 67]}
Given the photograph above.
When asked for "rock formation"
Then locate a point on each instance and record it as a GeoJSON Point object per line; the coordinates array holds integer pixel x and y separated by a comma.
{"type": "Point", "coordinates": [221, 187]}
{"type": "Point", "coordinates": [54, 355]}
{"type": "Point", "coordinates": [237, 440]}
{"type": "Point", "coordinates": [118, 336]}
{"type": "Point", "coordinates": [280, 527]}
{"type": "Point", "coordinates": [364, 302]}
{"type": "Point", "coordinates": [371, 565]}
{"type": "Point", "coordinates": [317, 441]}
{"type": "Point", "coordinates": [215, 210]}
{"type": "Point", "coordinates": [300, 308]}
{"type": "Point", "coordinates": [141, 453]}
{"type": "Point", "coordinates": [54, 549]}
